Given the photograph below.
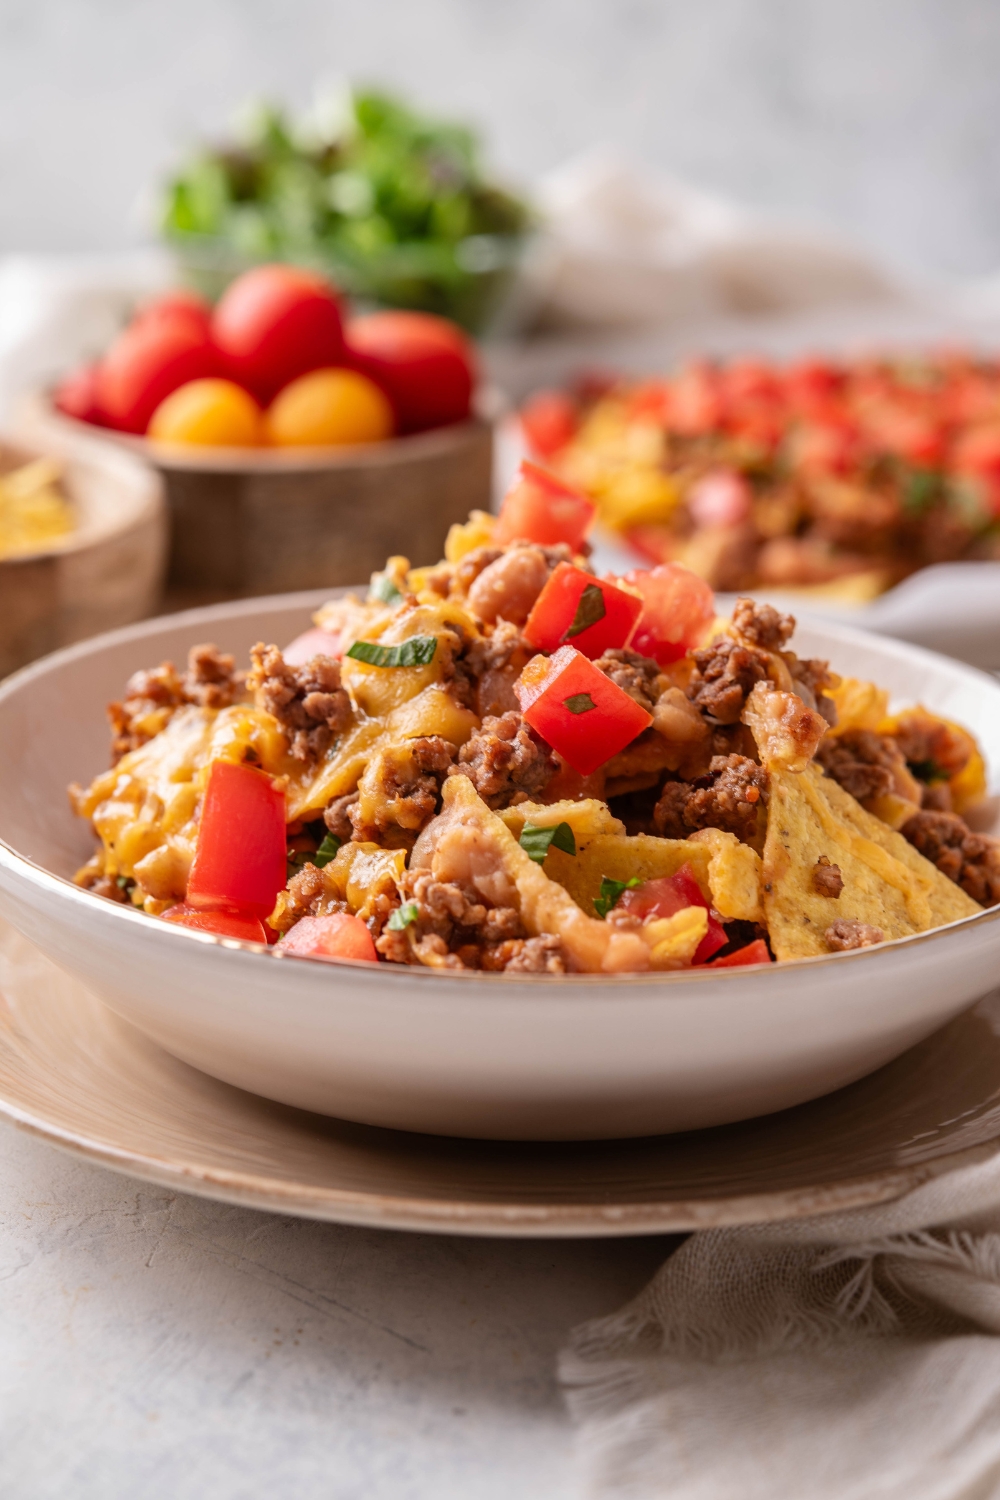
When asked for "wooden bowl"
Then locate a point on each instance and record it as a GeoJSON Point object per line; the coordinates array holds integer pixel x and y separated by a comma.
{"type": "Point", "coordinates": [108, 571]}
{"type": "Point", "coordinates": [245, 522]}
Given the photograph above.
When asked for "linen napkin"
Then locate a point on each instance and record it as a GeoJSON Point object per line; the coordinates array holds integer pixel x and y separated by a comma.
{"type": "Point", "coordinates": [843, 1357]}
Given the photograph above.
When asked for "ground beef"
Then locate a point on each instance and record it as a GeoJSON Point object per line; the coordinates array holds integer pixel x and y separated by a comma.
{"type": "Point", "coordinates": [154, 695]}
{"type": "Point", "coordinates": [862, 762]}
{"type": "Point", "coordinates": [826, 878]}
{"type": "Point", "coordinates": [725, 675]}
{"type": "Point", "coordinates": [308, 700]}
{"type": "Point", "coordinates": [337, 817]}
{"type": "Point", "coordinates": [729, 798]}
{"type": "Point", "coordinates": [491, 664]}
{"type": "Point", "coordinates": [932, 749]}
{"type": "Point", "coordinates": [506, 761]}
{"type": "Point", "coordinates": [762, 625]}
{"type": "Point", "coordinates": [970, 859]}
{"type": "Point", "coordinates": [811, 676]}
{"type": "Point", "coordinates": [409, 791]}
{"type": "Point", "coordinates": [305, 891]}
{"type": "Point", "coordinates": [635, 674]}
{"type": "Point", "coordinates": [103, 885]}
{"type": "Point", "coordinates": [455, 928]}
{"type": "Point", "coordinates": [844, 935]}
{"type": "Point", "coordinates": [537, 955]}
{"type": "Point", "coordinates": [936, 797]}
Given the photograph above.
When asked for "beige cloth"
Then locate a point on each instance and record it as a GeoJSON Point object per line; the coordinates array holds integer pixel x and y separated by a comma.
{"type": "Point", "coordinates": [847, 1357]}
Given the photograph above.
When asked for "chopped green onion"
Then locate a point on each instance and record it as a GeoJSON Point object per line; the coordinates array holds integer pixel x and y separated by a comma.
{"type": "Point", "coordinates": [610, 892]}
{"type": "Point", "coordinates": [403, 916]}
{"type": "Point", "coordinates": [383, 588]}
{"type": "Point", "coordinates": [579, 703]}
{"type": "Point", "coordinates": [122, 882]}
{"type": "Point", "coordinates": [590, 608]}
{"type": "Point", "coordinates": [416, 652]}
{"type": "Point", "coordinates": [536, 842]}
{"type": "Point", "coordinates": [326, 851]}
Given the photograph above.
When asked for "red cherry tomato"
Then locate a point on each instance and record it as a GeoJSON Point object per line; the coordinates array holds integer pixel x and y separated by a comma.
{"type": "Point", "coordinates": [239, 864]}
{"type": "Point", "coordinates": [425, 365]}
{"type": "Point", "coordinates": [666, 896]}
{"type": "Point", "coordinates": [678, 608]}
{"type": "Point", "coordinates": [76, 395]}
{"type": "Point", "coordinates": [333, 938]}
{"type": "Point", "coordinates": [223, 923]}
{"type": "Point", "coordinates": [274, 323]}
{"type": "Point", "coordinates": [312, 643]}
{"type": "Point", "coordinates": [583, 715]}
{"type": "Point", "coordinates": [695, 402]}
{"type": "Point", "coordinates": [540, 508]}
{"type": "Point", "coordinates": [548, 421]}
{"type": "Point", "coordinates": [754, 953]}
{"type": "Point", "coordinates": [589, 612]}
{"type": "Point", "coordinates": [173, 305]}
{"type": "Point", "coordinates": [146, 363]}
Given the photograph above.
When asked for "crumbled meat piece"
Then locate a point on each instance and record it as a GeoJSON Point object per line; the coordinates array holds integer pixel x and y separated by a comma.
{"type": "Point", "coordinates": [762, 625]}
{"type": "Point", "coordinates": [931, 748]}
{"type": "Point", "coordinates": [635, 674]}
{"type": "Point", "coordinates": [936, 797]}
{"type": "Point", "coordinates": [337, 817]}
{"type": "Point", "coordinates": [725, 675]}
{"type": "Point", "coordinates": [508, 587]}
{"type": "Point", "coordinates": [826, 878]}
{"type": "Point", "coordinates": [211, 679]}
{"type": "Point", "coordinates": [729, 798]}
{"type": "Point", "coordinates": [305, 892]}
{"type": "Point", "coordinates": [492, 663]}
{"type": "Point", "coordinates": [307, 700]}
{"type": "Point", "coordinates": [862, 762]}
{"type": "Point", "coordinates": [506, 761]}
{"type": "Point", "coordinates": [537, 955]}
{"type": "Point", "coordinates": [811, 676]}
{"type": "Point", "coordinates": [153, 695]}
{"type": "Point", "coordinates": [970, 859]}
{"type": "Point", "coordinates": [100, 884]}
{"type": "Point", "coordinates": [455, 928]}
{"type": "Point", "coordinates": [846, 934]}
{"type": "Point", "coordinates": [401, 787]}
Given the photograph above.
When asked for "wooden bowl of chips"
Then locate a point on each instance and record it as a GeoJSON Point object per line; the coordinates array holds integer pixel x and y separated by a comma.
{"type": "Point", "coordinates": [250, 521]}
{"type": "Point", "coordinates": [83, 542]}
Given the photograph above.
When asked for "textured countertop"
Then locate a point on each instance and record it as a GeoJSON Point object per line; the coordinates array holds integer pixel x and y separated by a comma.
{"type": "Point", "coordinates": [159, 1345]}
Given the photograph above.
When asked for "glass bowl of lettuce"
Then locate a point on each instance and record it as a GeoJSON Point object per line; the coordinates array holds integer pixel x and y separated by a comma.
{"type": "Point", "coordinates": [392, 205]}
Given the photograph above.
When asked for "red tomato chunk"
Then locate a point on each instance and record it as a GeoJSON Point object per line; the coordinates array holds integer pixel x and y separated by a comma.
{"type": "Point", "coordinates": [310, 643]}
{"type": "Point", "coordinates": [666, 896]}
{"type": "Point", "coordinates": [540, 508]}
{"type": "Point", "coordinates": [754, 953]}
{"type": "Point", "coordinates": [548, 421]}
{"type": "Point", "coordinates": [574, 606]}
{"type": "Point", "coordinates": [583, 715]}
{"type": "Point", "coordinates": [678, 608]}
{"type": "Point", "coordinates": [239, 864]}
{"type": "Point", "coordinates": [229, 924]}
{"type": "Point", "coordinates": [332, 938]}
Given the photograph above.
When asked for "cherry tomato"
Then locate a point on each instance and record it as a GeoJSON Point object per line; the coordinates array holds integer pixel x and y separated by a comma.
{"type": "Point", "coordinates": [148, 361]}
{"type": "Point", "coordinates": [574, 606]}
{"type": "Point", "coordinates": [223, 923]}
{"type": "Point", "coordinates": [239, 863]}
{"type": "Point", "coordinates": [678, 608]}
{"type": "Point", "coordinates": [426, 366]}
{"type": "Point", "coordinates": [666, 896]}
{"type": "Point", "coordinates": [276, 322]}
{"type": "Point", "coordinates": [176, 305]}
{"type": "Point", "coordinates": [329, 408]}
{"type": "Point", "coordinates": [582, 714]}
{"type": "Point", "coordinates": [548, 421]}
{"type": "Point", "coordinates": [695, 402]}
{"type": "Point", "coordinates": [208, 413]}
{"type": "Point", "coordinates": [754, 953]}
{"type": "Point", "coordinates": [76, 395]}
{"type": "Point", "coordinates": [312, 643]}
{"type": "Point", "coordinates": [540, 508]}
{"type": "Point", "coordinates": [333, 938]}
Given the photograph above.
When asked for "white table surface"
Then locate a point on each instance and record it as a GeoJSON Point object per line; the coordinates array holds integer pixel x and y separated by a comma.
{"type": "Point", "coordinates": [157, 1346]}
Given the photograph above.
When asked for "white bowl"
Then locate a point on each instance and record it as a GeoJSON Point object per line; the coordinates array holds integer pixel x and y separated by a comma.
{"type": "Point", "coordinates": [525, 1057]}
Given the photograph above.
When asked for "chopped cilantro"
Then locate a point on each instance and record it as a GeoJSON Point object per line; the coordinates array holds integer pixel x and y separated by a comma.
{"type": "Point", "coordinates": [536, 842]}
{"type": "Point", "coordinates": [416, 652]}
{"type": "Point", "coordinates": [579, 703]}
{"type": "Point", "coordinates": [590, 608]}
{"type": "Point", "coordinates": [383, 588]}
{"type": "Point", "coordinates": [403, 916]}
{"type": "Point", "coordinates": [610, 892]}
{"type": "Point", "coordinates": [921, 489]}
{"type": "Point", "coordinates": [326, 851]}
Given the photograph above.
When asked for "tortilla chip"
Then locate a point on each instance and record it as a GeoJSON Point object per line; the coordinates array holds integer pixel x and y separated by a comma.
{"type": "Point", "coordinates": [588, 818]}
{"type": "Point", "coordinates": [734, 875]}
{"type": "Point", "coordinates": [886, 882]}
{"type": "Point", "coordinates": [618, 858]}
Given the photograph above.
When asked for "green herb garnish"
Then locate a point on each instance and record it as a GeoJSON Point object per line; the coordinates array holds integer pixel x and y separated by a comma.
{"type": "Point", "coordinates": [416, 652]}
{"type": "Point", "coordinates": [536, 842]}
{"type": "Point", "coordinates": [580, 703]}
{"type": "Point", "coordinates": [383, 588]}
{"type": "Point", "coordinates": [403, 916]}
{"type": "Point", "coordinates": [927, 770]}
{"type": "Point", "coordinates": [590, 608]}
{"type": "Point", "coordinates": [921, 489]}
{"type": "Point", "coordinates": [326, 851]}
{"type": "Point", "coordinates": [610, 892]}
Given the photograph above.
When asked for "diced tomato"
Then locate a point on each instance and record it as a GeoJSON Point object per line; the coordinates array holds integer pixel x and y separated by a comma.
{"type": "Point", "coordinates": [548, 421]}
{"type": "Point", "coordinates": [754, 953]}
{"type": "Point", "coordinates": [695, 403]}
{"type": "Point", "coordinates": [312, 643]}
{"type": "Point", "coordinates": [649, 401]}
{"type": "Point", "coordinates": [231, 924]}
{"type": "Point", "coordinates": [332, 938]}
{"type": "Point", "coordinates": [719, 498]}
{"type": "Point", "coordinates": [830, 446]}
{"type": "Point", "coordinates": [583, 715]}
{"type": "Point", "coordinates": [811, 386]}
{"type": "Point", "coordinates": [977, 454]}
{"type": "Point", "coordinates": [916, 438]}
{"type": "Point", "coordinates": [677, 609]}
{"type": "Point", "coordinates": [575, 606]}
{"type": "Point", "coordinates": [666, 896]}
{"type": "Point", "coordinates": [239, 864]}
{"type": "Point", "coordinates": [540, 508]}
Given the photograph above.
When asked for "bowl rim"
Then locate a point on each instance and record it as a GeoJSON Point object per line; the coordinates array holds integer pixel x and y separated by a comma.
{"type": "Point", "coordinates": [660, 981]}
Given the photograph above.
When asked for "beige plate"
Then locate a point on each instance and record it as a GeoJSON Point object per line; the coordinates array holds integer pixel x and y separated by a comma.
{"type": "Point", "coordinates": [74, 1073]}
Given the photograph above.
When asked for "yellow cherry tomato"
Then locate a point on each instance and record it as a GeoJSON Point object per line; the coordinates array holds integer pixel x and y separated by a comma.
{"type": "Point", "coordinates": [329, 407]}
{"type": "Point", "coordinates": [209, 413]}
